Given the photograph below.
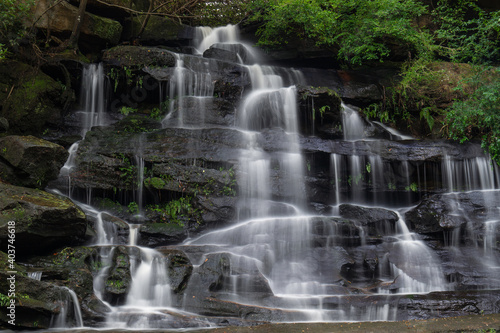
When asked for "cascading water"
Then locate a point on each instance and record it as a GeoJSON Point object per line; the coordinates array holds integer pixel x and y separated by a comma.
{"type": "Point", "coordinates": [283, 256]}
{"type": "Point", "coordinates": [70, 314]}
{"type": "Point", "coordinates": [93, 97]}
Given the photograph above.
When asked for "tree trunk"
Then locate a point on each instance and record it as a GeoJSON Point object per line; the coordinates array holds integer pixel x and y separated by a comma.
{"type": "Point", "coordinates": [75, 34]}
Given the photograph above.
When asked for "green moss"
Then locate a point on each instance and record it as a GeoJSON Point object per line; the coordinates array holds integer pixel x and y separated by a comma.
{"type": "Point", "coordinates": [106, 29]}
{"type": "Point", "coordinates": [155, 182]}
{"type": "Point", "coordinates": [33, 100]}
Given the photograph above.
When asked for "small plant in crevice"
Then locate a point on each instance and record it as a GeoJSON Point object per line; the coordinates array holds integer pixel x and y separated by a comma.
{"type": "Point", "coordinates": [175, 211]}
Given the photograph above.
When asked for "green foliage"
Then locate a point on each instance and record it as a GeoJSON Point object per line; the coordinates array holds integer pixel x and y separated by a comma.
{"type": "Point", "coordinates": [412, 187]}
{"type": "Point", "coordinates": [128, 171]}
{"type": "Point", "coordinates": [220, 12]}
{"type": "Point", "coordinates": [4, 300]}
{"type": "Point", "coordinates": [466, 32]}
{"type": "Point", "coordinates": [230, 184]}
{"type": "Point", "coordinates": [359, 30]}
{"type": "Point", "coordinates": [125, 110]}
{"type": "Point", "coordinates": [155, 182]}
{"type": "Point", "coordinates": [478, 115]}
{"type": "Point", "coordinates": [133, 207]}
{"type": "Point", "coordinates": [12, 15]}
{"type": "Point", "coordinates": [175, 211]}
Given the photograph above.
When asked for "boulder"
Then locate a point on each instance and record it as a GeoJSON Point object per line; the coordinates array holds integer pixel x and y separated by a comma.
{"type": "Point", "coordinates": [221, 54]}
{"type": "Point", "coordinates": [118, 281]}
{"type": "Point", "coordinates": [244, 54]}
{"type": "Point", "coordinates": [445, 212]}
{"type": "Point", "coordinates": [158, 31]}
{"type": "Point", "coordinates": [138, 56]}
{"type": "Point", "coordinates": [179, 268]}
{"type": "Point", "coordinates": [75, 268]}
{"type": "Point", "coordinates": [154, 234]}
{"type": "Point", "coordinates": [96, 31]}
{"type": "Point", "coordinates": [375, 221]}
{"type": "Point", "coordinates": [31, 100]}
{"type": "Point", "coordinates": [43, 221]}
{"type": "Point", "coordinates": [37, 303]}
{"type": "Point", "coordinates": [29, 161]}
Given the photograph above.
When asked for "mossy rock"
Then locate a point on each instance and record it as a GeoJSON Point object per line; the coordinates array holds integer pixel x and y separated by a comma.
{"type": "Point", "coordinates": [159, 30]}
{"type": "Point", "coordinates": [138, 56]}
{"type": "Point", "coordinates": [33, 101]}
{"type": "Point", "coordinates": [43, 221]}
{"type": "Point", "coordinates": [179, 268]}
{"type": "Point", "coordinates": [37, 302]}
{"type": "Point", "coordinates": [96, 31]}
{"type": "Point", "coordinates": [119, 279]}
{"type": "Point", "coordinates": [30, 161]}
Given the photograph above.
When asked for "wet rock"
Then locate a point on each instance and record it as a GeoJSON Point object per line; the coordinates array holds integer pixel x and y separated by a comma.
{"type": "Point", "coordinates": [138, 56]}
{"type": "Point", "coordinates": [210, 278]}
{"type": "Point", "coordinates": [243, 54]}
{"type": "Point", "coordinates": [154, 234]}
{"type": "Point", "coordinates": [449, 304]}
{"type": "Point", "coordinates": [37, 302]}
{"type": "Point", "coordinates": [29, 161]}
{"type": "Point", "coordinates": [375, 221]}
{"type": "Point", "coordinates": [320, 112]}
{"type": "Point", "coordinates": [118, 281]}
{"type": "Point", "coordinates": [221, 54]}
{"type": "Point", "coordinates": [179, 268]}
{"type": "Point", "coordinates": [75, 269]}
{"type": "Point", "coordinates": [218, 211]}
{"type": "Point", "coordinates": [445, 212]}
{"type": "Point", "coordinates": [32, 100]}
{"type": "Point", "coordinates": [43, 221]}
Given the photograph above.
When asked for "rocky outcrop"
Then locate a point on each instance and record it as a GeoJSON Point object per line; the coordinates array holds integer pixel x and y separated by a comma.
{"type": "Point", "coordinates": [75, 268]}
{"type": "Point", "coordinates": [30, 100]}
{"type": "Point", "coordinates": [158, 31]}
{"type": "Point", "coordinates": [138, 56]}
{"type": "Point", "coordinates": [446, 212]}
{"type": "Point", "coordinates": [96, 30]}
{"type": "Point", "coordinates": [375, 221]}
{"type": "Point", "coordinates": [118, 280]}
{"type": "Point", "coordinates": [43, 221]}
{"type": "Point", "coordinates": [29, 161]}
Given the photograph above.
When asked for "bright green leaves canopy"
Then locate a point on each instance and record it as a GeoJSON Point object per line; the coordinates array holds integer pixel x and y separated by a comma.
{"type": "Point", "coordinates": [358, 30]}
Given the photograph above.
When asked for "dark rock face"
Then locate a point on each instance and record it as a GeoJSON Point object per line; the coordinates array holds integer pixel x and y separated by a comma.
{"type": "Point", "coordinates": [118, 280]}
{"type": "Point", "coordinates": [446, 212]}
{"type": "Point", "coordinates": [158, 30]}
{"type": "Point", "coordinates": [29, 161]}
{"type": "Point", "coordinates": [60, 19]}
{"type": "Point", "coordinates": [138, 56]}
{"type": "Point", "coordinates": [35, 100]}
{"type": "Point", "coordinates": [71, 267]}
{"type": "Point", "coordinates": [378, 221]}
{"type": "Point", "coordinates": [43, 221]}
{"type": "Point", "coordinates": [179, 268]}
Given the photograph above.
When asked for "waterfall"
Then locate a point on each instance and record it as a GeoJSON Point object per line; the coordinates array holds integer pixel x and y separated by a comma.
{"type": "Point", "coordinates": [189, 88]}
{"type": "Point", "coordinates": [35, 275]}
{"type": "Point", "coordinates": [93, 97]}
{"type": "Point", "coordinates": [352, 124]}
{"type": "Point", "coordinates": [293, 252]}
{"type": "Point", "coordinates": [70, 314]}
{"type": "Point", "coordinates": [414, 268]}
